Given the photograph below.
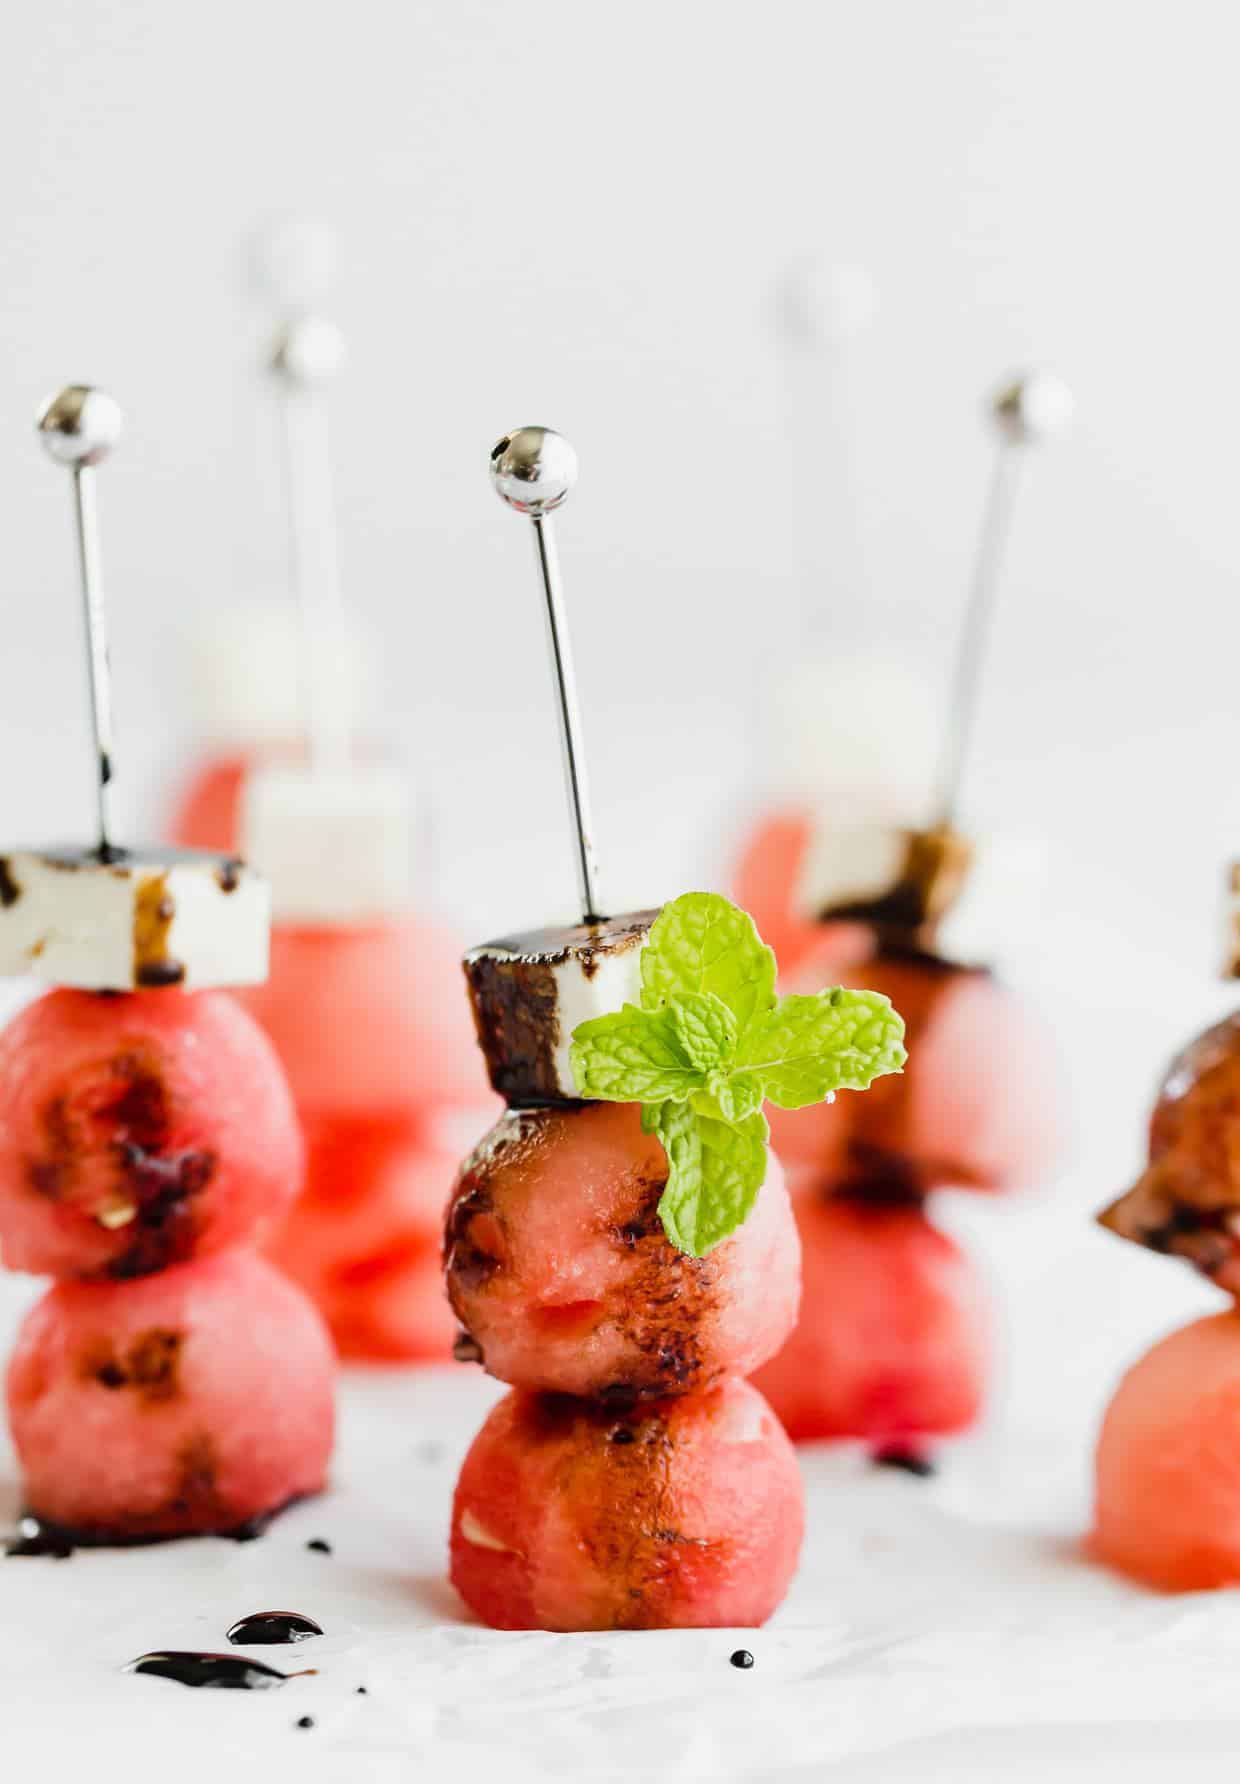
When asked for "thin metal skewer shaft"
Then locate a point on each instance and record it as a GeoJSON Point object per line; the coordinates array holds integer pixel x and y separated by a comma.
{"type": "Point", "coordinates": [307, 354]}
{"type": "Point", "coordinates": [87, 526]}
{"type": "Point", "coordinates": [314, 573]}
{"type": "Point", "coordinates": [78, 427]}
{"type": "Point", "coordinates": [1028, 409]}
{"type": "Point", "coordinates": [570, 719]}
{"type": "Point", "coordinates": [975, 633]}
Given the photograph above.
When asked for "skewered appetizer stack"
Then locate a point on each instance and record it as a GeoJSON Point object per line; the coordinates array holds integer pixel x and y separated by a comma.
{"type": "Point", "coordinates": [364, 1009]}
{"type": "Point", "coordinates": [620, 1247]}
{"type": "Point", "coordinates": [255, 665]}
{"type": "Point", "coordinates": [893, 1345]}
{"type": "Point", "coordinates": [170, 1382]}
{"type": "Point", "coordinates": [894, 1339]}
{"type": "Point", "coordinates": [1167, 1500]}
{"type": "Point", "coordinates": [362, 1000]}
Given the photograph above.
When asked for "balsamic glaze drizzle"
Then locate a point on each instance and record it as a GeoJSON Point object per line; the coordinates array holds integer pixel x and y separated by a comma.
{"type": "Point", "coordinates": [218, 1672]}
{"type": "Point", "coordinates": [273, 1626]}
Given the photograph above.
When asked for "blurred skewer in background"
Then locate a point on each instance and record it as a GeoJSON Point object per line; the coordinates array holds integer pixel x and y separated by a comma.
{"type": "Point", "coordinates": [363, 1001]}
{"type": "Point", "coordinates": [893, 1345]}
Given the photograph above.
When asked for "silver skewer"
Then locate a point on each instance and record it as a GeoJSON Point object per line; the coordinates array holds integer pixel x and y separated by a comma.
{"type": "Point", "coordinates": [823, 308]}
{"type": "Point", "coordinates": [79, 427]}
{"type": "Point", "coordinates": [1025, 412]}
{"type": "Point", "coordinates": [307, 354]}
{"type": "Point", "coordinates": [533, 470]}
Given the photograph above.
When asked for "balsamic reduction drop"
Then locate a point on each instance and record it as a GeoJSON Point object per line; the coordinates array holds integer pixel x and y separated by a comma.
{"type": "Point", "coordinates": [220, 1672]}
{"type": "Point", "coordinates": [272, 1627]}
{"type": "Point", "coordinates": [909, 1460]}
{"type": "Point", "coordinates": [36, 1538]}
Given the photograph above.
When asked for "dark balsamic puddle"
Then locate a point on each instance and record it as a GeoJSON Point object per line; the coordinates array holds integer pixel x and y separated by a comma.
{"type": "Point", "coordinates": [35, 1538]}
{"type": "Point", "coordinates": [39, 1536]}
{"type": "Point", "coordinates": [271, 1627]}
{"type": "Point", "coordinates": [909, 1461]}
{"type": "Point", "coordinates": [212, 1672]}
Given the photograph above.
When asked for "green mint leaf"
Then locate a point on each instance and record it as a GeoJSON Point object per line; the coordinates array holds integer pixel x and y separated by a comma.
{"type": "Point", "coordinates": [632, 1056]}
{"type": "Point", "coordinates": [715, 1170]}
{"type": "Point", "coordinates": [705, 1028]}
{"type": "Point", "coordinates": [730, 1099]}
{"type": "Point", "coordinates": [702, 943]}
{"type": "Point", "coordinates": [710, 1044]}
{"type": "Point", "coordinates": [807, 1047]}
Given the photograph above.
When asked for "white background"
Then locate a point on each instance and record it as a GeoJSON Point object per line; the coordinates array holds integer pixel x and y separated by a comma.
{"type": "Point", "coordinates": [582, 215]}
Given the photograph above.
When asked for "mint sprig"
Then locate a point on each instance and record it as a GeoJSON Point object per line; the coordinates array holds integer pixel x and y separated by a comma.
{"type": "Point", "coordinates": [711, 1043]}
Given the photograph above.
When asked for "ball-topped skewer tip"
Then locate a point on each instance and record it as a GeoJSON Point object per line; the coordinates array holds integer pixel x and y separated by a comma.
{"type": "Point", "coordinates": [308, 351]}
{"type": "Point", "coordinates": [533, 469]}
{"type": "Point", "coordinates": [1032, 408]}
{"type": "Point", "coordinates": [80, 425]}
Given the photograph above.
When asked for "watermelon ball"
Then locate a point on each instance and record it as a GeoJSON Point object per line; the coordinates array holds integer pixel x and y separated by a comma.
{"type": "Point", "coordinates": [138, 1131]}
{"type": "Point", "coordinates": [193, 1401]}
{"type": "Point", "coordinates": [683, 1513]}
{"type": "Point", "coordinates": [558, 1266]}
{"type": "Point", "coordinates": [364, 1238]}
{"type": "Point", "coordinates": [1167, 1497]}
{"type": "Point", "coordinates": [979, 1105]}
{"type": "Point", "coordinates": [893, 1341]}
{"type": "Point", "coordinates": [766, 878]}
{"type": "Point", "coordinates": [207, 814]}
{"type": "Point", "coordinates": [370, 1021]}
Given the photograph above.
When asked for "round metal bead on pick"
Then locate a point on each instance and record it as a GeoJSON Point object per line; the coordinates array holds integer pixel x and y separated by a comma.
{"type": "Point", "coordinates": [1025, 412]}
{"type": "Point", "coordinates": [79, 427]}
{"type": "Point", "coordinates": [533, 470]}
{"type": "Point", "coordinates": [308, 351]}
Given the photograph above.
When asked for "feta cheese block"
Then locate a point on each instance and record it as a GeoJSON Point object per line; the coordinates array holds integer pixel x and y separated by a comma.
{"type": "Point", "coordinates": [933, 890]}
{"type": "Point", "coordinates": [335, 846]}
{"type": "Point", "coordinates": [142, 918]}
{"type": "Point", "coordinates": [530, 991]}
{"type": "Point", "coordinates": [1231, 964]}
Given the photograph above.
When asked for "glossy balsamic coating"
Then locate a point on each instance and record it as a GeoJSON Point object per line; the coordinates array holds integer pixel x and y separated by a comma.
{"type": "Point", "coordinates": [218, 1672]}
{"type": "Point", "coordinates": [36, 1538]}
{"type": "Point", "coordinates": [273, 1627]}
{"type": "Point", "coordinates": [909, 1461]}
{"type": "Point", "coordinates": [515, 998]}
{"type": "Point", "coordinates": [40, 1536]}
{"type": "Point", "coordinates": [1187, 1200]}
{"type": "Point", "coordinates": [908, 913]}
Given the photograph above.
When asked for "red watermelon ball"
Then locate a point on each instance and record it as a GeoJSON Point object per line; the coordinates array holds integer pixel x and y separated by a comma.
{"type": "Point", "coordinates": [1167, 1498]}
{"type": "Point", "coordinates": [138, 1131]}
{"type": "Point", "coordinates": [371, 1020]}
{"type": "Point", "coordinates": [558, 1266]}
{"type": "Point", "coordinates": [192, 1401]}
{"type": "Point", "coordinates": [364, 1238]}
{"type": "Point", "coordinates": [684, 1513]}
{"type": "Point", "coordinates": [980, 1104]}
{"type": "Point", "coordinates": [894, 1337]}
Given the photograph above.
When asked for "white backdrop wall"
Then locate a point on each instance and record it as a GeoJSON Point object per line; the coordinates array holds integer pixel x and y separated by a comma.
{"type": "Point", "coordinates": [579, 215]}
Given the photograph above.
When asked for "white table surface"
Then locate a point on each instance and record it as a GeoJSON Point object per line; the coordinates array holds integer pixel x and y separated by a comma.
{"type": "Point", "coordinates": [940, 1629]}
{"type": "Point", "coordinates": [924, 1636]}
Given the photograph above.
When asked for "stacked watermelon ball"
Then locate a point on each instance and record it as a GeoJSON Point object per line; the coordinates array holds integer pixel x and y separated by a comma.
{"type": "Point", "coordinates": [170, 1382]}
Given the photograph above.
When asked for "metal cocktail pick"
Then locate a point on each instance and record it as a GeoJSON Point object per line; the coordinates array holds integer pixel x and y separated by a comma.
{"type": "Point", "coordinates": [1025, 412]}
{"type": "Point", "coordinates": [533, 470]}
{"type": "Point", "coordinates": [79, 427]}
{"type": "Point", "coordinates": [307, 354]}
